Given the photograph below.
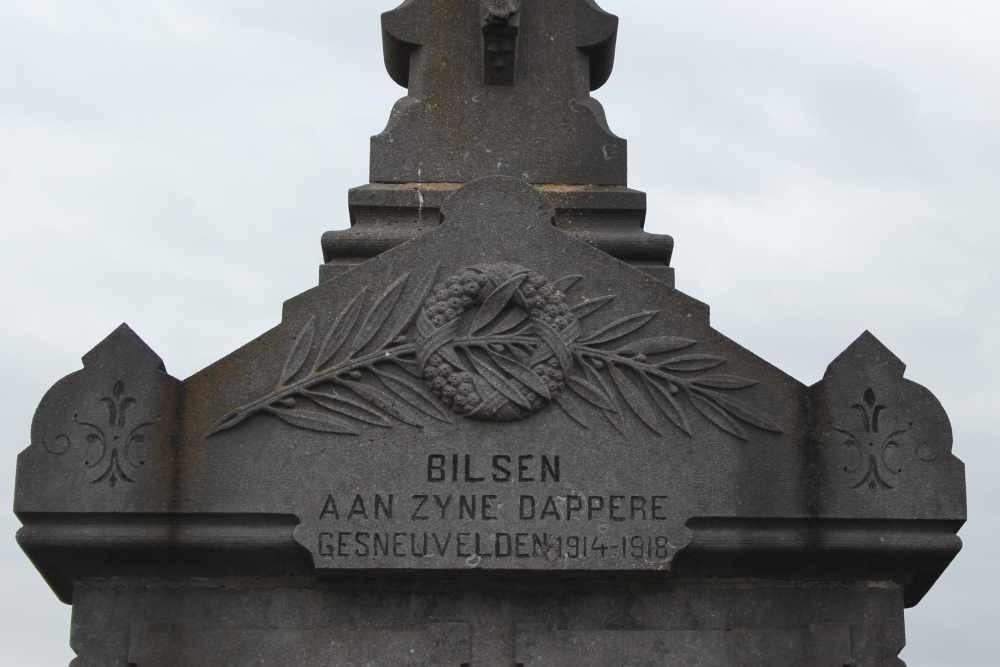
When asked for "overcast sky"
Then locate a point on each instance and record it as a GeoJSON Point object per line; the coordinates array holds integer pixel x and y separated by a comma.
{"type": "Point", "coordinates": [825, 167]}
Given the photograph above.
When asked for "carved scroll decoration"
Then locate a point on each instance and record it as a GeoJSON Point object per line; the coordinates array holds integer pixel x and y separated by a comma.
{"type": "Point", "coordinates": [113, 446]}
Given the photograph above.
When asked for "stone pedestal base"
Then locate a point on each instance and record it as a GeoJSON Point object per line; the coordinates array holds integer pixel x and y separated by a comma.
{"type": "Point", "coordinates": [310, 623]}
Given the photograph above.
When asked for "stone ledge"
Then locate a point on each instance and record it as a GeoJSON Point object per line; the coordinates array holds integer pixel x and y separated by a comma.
{"type": "Point", "coordinates": [385, 215]}
{"type": "Point", "coordinates": [69, 547]}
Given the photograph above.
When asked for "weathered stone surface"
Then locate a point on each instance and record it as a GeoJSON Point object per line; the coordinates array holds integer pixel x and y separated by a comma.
{"type": "Point", "coordinates": [885, 434]}
{"type": "Point", "coordinates": [155, 645]}
{"type": "Point", "coordinates": [454, 127]}
{"type": "Point", "coordinates": [758, 624]}
{"type": "Point", "coordinates": [822, 647]}
{"type": "Point", "coordinates": [494, 435]}
{"type": "Point", "coordinates": [642, 431]}
{"type": "Point", "coordinates": [108, 427]}
{"type": "Point", "coordinates": [609, 218]}
{"type": "Point", "coordinates": [533, 119]}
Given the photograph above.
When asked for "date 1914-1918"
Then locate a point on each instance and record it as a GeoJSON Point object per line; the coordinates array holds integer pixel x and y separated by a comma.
{"type": "Point", "coordinates": [480, 546]}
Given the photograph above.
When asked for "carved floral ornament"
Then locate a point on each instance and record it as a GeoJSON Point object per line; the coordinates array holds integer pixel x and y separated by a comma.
{"type": "Point", "coordinates": [874, 444]}
{"type": "Point", "coordinates": [498, 343]}
{"type": "Point", "coordinates": [113, 447]}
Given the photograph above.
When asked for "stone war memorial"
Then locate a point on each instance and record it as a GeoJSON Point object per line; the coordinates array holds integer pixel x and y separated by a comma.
{"type": "Point", "coordinates": [494, 435]}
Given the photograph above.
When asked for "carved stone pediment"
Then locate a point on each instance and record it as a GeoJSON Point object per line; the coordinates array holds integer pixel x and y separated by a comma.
{"type": "Point", "coordinates": [495, 434]}
{"type": "Point", "coordinates": [498, 396]}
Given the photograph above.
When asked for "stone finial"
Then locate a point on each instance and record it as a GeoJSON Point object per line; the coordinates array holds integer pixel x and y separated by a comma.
{"type": "Point", "coordinates": [499, 88]}
{"type": "Point", "coordinates": [499, 11]}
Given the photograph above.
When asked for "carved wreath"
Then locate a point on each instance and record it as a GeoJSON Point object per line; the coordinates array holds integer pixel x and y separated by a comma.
{"type": "Point", "coordinates": [493, 342]}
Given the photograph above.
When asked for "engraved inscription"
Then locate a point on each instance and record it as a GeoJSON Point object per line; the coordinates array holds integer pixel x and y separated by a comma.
{"type": "Point", "coordinates": [475, 546]}
{"type": "Point", "coordinates": [873, 443]}
{"type": "Point", "coordinates": [488, 510]}
{"type": "Point", "coordinates": [500, 343]}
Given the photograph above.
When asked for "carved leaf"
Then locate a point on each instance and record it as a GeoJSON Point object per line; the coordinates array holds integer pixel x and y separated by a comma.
{"type": "Point", "coordinates": [229, 420]}
{"type": "Point", "coordinates": [489, 406]}
{"type": "Point", "coordinates": [439, 342]}
{"type": "Point", "coordinates": [635, 400]}
{"type": "Point", "coordinates": [499, 383]}
{"type": "Point", "coordinates": [619, 328]}
{"type": "Point", "coordinates": [692, 362]}
{"type": "Point", "coordinates": [313, 421]}
{"type": "Point", "coordinates": [523, 374]}
{"type": "Point", "coordinates": [555, 343]}
{"type": "Point", "coordinates": [566, 284]}
{"type": "Point", "coordinates": [541, 355]}
{"type": "Point", "coordinates": [572, 332]}
{"type": "Point", "coordinates": [590, 306]}
{"type": "Point", "coordinates": [514, 317]}
{"type": "Point", "coordinates": [410, 366]}
{"type": "Point", "coordinates": [742, 411]}
{"type": "Point", "coordinates": [424, 326]}
{"type": "Point", "coordinates": [724, 382]}
{"type": "Point", "coordinates": [524, 357]}
{"type": "Point", "coordinates": [668, 403]}
{"type": "Point", "coordinates": [717, 416]}
{"type": "Point", "coordinates": [409, 391]}
{"type": "Point", "coordinates": [346, 406]}
{"type": "Point", "coordinates": [380, 312]}
{"type": "Point", "coordinates": [656, 345]}
{"type": "Point", "coordinates": [341, 329]}
{"type": "Point", "coordinates": [448, 353]}
{"type": "Point", "coordinates": [300, 352]}
{"type": "Point", "coordinates": [572, 410]}
{"type": "Point", "coordinates": [410, 308]}
{"type": "Point", "coordinates": [384, 401]}
{"type": "Point", "coordinates": [590, 393]}
{"type": "Point", "coordinates": [494, 304]}
{"type": "Point", "coordinates": [613, 416]}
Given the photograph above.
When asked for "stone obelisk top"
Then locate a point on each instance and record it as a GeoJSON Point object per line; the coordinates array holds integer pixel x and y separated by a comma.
{"type": "Point", "coordinates": [499, 88]}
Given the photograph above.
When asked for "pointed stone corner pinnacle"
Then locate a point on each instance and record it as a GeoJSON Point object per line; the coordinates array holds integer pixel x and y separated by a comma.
{"type": "Point", "coordinates": [867, 352]}
{"type": "Point", "coordinates": [123, 346]}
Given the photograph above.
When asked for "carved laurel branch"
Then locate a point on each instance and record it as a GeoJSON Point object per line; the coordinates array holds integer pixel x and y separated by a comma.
{"type": "Point", "coordinates": [370, 373]}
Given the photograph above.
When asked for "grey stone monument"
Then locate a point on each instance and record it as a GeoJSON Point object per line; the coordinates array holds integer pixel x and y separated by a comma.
{"type": "Point", "coordinates": [494, 435]}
